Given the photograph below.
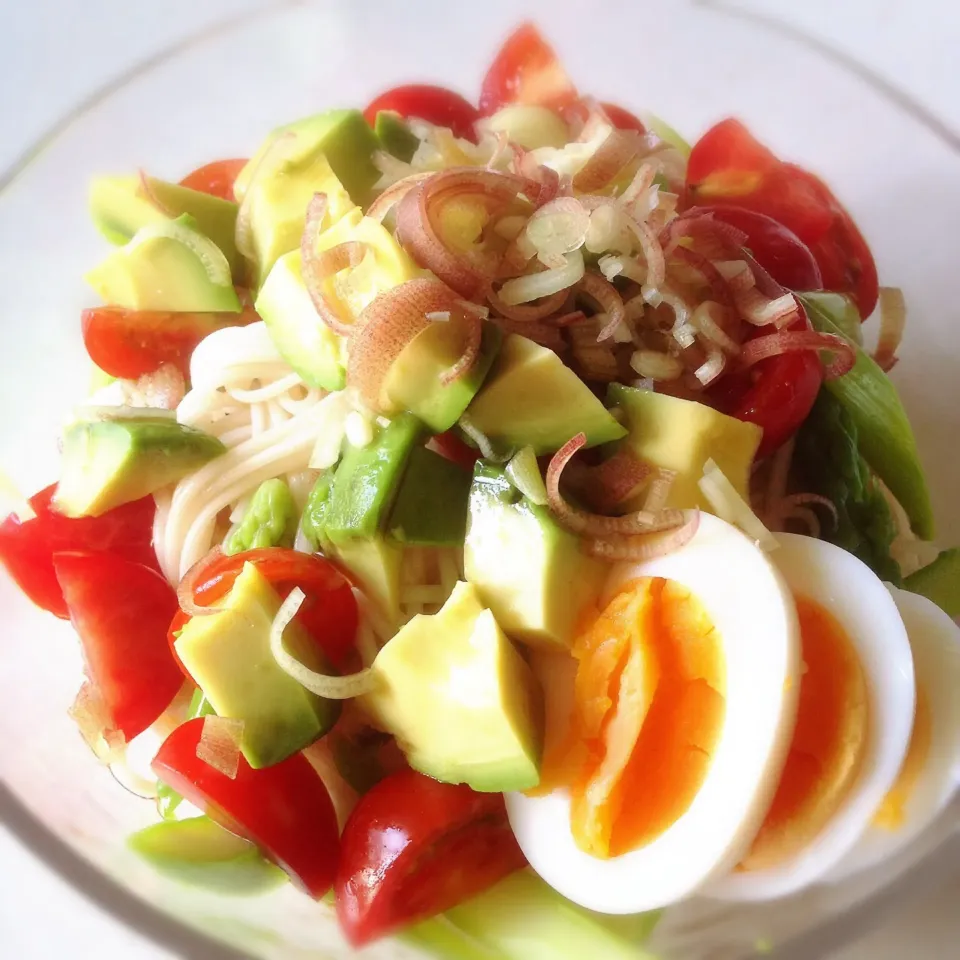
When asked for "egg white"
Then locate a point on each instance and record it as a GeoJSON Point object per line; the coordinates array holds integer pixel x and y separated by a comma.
{"type": "Point", "coordinates": [858, 599]}
{"type": "Point", "coordinates": [935, 641]}
{"type": "Point", "coordinates": [752, 609]}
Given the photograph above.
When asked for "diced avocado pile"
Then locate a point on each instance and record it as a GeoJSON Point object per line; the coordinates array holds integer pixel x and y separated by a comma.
{"type": "Point", "coordinates": [453, 687]}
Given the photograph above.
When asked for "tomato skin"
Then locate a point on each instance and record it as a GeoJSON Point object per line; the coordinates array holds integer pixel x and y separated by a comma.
{"type": "Point", "coordinates": [729, 166]}
{"type": "Point", "coordinates": [27, 547]}
{"type": "Point", "coordinates": [437, 105]}
{"type": "Point", "coordinates": [120, 611]}
{"type": "Point", "coordinates": [622, 118]}
{"type": "Point", "coordinates": [131, 343]}
{"type": "Point", "coordinates": [778, 250]}
{"type": "Point", "coordinates": [526, 70]}
{"type": "Point", "coordinates": [284, 809]}
{"type": "Point", "coordinates": [450, 446]}
{"type": "Point", "coordinates": [781, 397]}
{"type": "Point", "coordinates": [215, 178]}
{"type": "Point", "coordinates": [414, 847]}
{"type": "Point", "coordinates": [329, 610]}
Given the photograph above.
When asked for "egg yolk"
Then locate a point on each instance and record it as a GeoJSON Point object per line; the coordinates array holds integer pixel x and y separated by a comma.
{"type": "Point", "coordinates": [828, 741]}
{"type": "Point", "coordinates": [891, 813]}
{"type": "Point", "coordinates": [648, 713]}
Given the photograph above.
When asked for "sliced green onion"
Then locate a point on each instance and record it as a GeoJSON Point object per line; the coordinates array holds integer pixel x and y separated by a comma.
{"type": "Point", "coordinates": [323, 685]}
{"type": "Point", "coordinates": [728, 505]}
{"type": "Point", "coordinates": [523, 472]}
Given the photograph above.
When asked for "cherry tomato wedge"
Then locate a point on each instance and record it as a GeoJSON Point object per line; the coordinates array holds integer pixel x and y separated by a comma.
{"type": "Point", "coordinates": [130, 343]}
{"type": "Point", "coordinates": [437, 105]}
{"type": "Point", "coordinates": [729, 166]}
{"type": "Point", "coordinates": [450, 446]}
{"type": "Point", "coordinates": [120, 611]}
{"type": "Point", "coordinates": [284, 809]}
{"type": "Point", "coordinates": [778, 250]}
{"type": "Point", "coordinates": [27, 546]}
{"type": "Point", "coordinates": [414, 847]}
{"type": "Point", "coordinates": [215, 178]}
{"type": "Point", "coordinates": [526, 70]}
{"type": "Point", "coordinates": [622, 118]}
{"type": "Point", "coordinates": [329, 610]}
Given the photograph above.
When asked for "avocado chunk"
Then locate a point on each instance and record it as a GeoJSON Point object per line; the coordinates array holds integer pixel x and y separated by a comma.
{"type": "Point", "coordinates": [385, 264]}
{"type": "Point", "coordinates": [395, 136]}
{"type": "Point", "coordinates": [295, 327]}
{"type": "Point", "coordinates": [120, 207]}
{"type": "Point", "coordinates": [269, 521]}
{"type": "Point", "coordinates": [682, 435]}
{"type": "Point", "coordinates": [167, 265]}
{"type": "Point", "coordinates": [531, 399]}
{"type": "Point", "coordinates": [526, 568]}
{"type": "Point", "coordinates": [113, 461]}
{"type": "Point", "coordinates": [939, 581]}
{"type": "Point", "coordinates": [330, 154]}
{"type": "Point", "coordinates": [375, 564]}
{"type": "Point", "coordinates": [367, 481]}
{"type": "Point", "coordinates": [413, 381]}
{"type": "Point", "coordinates": [228, 655]}
{"type": "Point", "coordinates": [462, 703]}
{"type": "Point", "coordinates": [200, 853]}
{"type": "Point", "coordinates": [431, 505]}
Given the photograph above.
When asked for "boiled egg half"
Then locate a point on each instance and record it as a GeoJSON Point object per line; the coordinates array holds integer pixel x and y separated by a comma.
{"type": "Point", "coordinates": [685, 702]}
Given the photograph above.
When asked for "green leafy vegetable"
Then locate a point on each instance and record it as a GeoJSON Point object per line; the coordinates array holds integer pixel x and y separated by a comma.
{"type": "Point", "coordinates": [270, 520]}
{"type": "Point", "coordinates": [939, 581]}
{"type": "Point", "coordinates": [884, 434]}
{"type": "Point", "coordinates": [828, 462]}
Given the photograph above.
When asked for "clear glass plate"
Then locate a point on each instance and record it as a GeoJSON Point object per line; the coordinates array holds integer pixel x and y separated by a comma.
{"type": "Point", "coordinates": [216, 97]}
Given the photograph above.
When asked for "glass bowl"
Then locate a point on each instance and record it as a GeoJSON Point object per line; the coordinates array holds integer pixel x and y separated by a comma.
{"type": "Point", "coordinates": [216, 96]}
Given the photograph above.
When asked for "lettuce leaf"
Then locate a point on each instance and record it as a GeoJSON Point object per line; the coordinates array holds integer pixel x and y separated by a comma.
{"type": "Point", "coordinates": [827, 461]}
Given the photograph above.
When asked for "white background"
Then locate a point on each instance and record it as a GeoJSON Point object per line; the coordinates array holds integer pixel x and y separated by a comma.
{"type": "Point", "coordinates": [54, 53]}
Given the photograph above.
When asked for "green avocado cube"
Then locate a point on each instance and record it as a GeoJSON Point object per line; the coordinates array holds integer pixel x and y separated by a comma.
{"type": "Point", "coordinates": [295, 327]}
{"type": "Point", "coordinates": [462, 703]}
{"type": "Point", "coordinates": [367, 481]}
{"type": "Point", "coordinates": [167, 266]}
{"type": "Point", "coordinates": [200, 853]}
{"type": "Point", "coordinates": [120, 207]}
{"type": "Point", "coordinates": [431, 505]}
{"type": "Point", "coordinates": [228, 656]}
{"type": "Point", "coordinates": [531, 399]}
{"type": "Point", "coordinates": [113, 461]}
{"type": "Point", "coordinates": [525, 567]}
{"type": "Point", "coordinates": [395, 136]}
{"type": "Point", "coordinates": [414, 380]}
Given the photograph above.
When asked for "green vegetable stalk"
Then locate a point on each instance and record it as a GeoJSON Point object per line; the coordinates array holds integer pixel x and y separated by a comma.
{"type": "Point", "coordinates": [314, 520]}
{"type": "Point", "coordinates": [827, 461]}
{"type": "Point", "coordinates": [270, 520]}
{"type": "Point", "coordinates": [885, 437]}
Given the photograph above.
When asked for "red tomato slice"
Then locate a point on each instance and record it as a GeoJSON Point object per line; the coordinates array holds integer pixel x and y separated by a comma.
{"type": "Point", "coordinates": [437, 105]}
{"type": "Point", "coordinates": [120, 611]}
{"type": "Point", "coordinates": [778, 250]}
{"type": "Point", "coordinates": [284, 809]}
{"type": "Point", "coordinates": [414, 847]}
{"type": "Point", "coordinates": [215, 178]}
{"type": "Point", "coordinates": [329, 611]}
{"type": "Point", "coordinates": [729, 166]}
{"type": "Point", "coordinates": [842, 252]}
{"type": "Point", "coordinates": [450, 446]}
{"type": "Point", "coordinates": [27, 547]}
{"type": "Point", "coordinates": [130, 343]}
{"type": "Point", "coordinates": [526, 70]}
{"type": "Point", "coordinates": [622, 118]}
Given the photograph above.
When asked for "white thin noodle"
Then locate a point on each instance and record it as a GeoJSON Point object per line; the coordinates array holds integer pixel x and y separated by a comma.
{"type": "Point", "coordinates": [245, 394]}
